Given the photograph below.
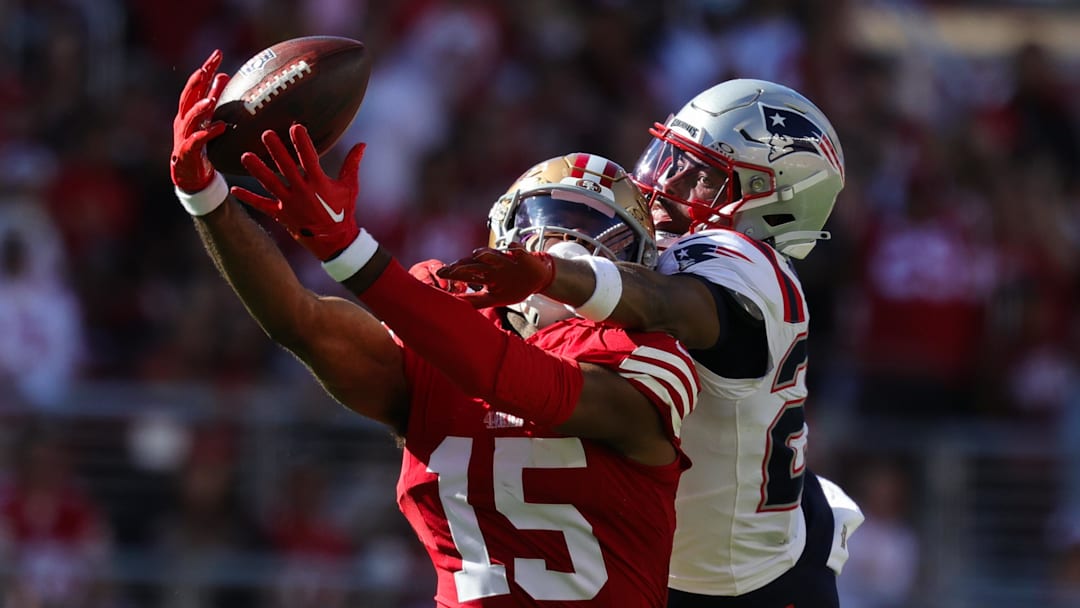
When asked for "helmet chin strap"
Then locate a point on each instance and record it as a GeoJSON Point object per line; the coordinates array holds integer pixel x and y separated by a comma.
{"type": "Point", "coordinates": [798, 244]}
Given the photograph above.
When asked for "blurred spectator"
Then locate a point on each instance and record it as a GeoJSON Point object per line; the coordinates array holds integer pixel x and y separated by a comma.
{"type": "Point", "coordinates": [1037, 124]}
{"type": "Point", "coordinates": [1065, 523]}
{"type": "Point", "coordinates": [443, 62]}
{"type": "Point", "coordinates": [315, 554]}
{"type": "Point", "coordinates": [925, 281]}
{"type": "Point", "coordinates": [97, 212]}
{"type": "Point", "coordinates": [54, 542]}
{"type": "Point", "coordinates": [207, 543]}
{"type": "Point", "coordinates": [41, 325]}
{"type": "Point", "coordinates": [884, 563]}
{"type": "Point", "coordinates": [388, 552]}
{"type": "Point", "coordinates": [1033, 308]}
{"type": "Point", "coordinates": [1065, 584]}
{"type": "Point", "coordinates": [767, 41]}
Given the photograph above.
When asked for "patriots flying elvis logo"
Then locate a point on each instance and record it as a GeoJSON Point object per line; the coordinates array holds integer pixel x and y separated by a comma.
{"type": "Point", "coordinates": [696, 253]}
{"type": "Point", "coordinates": [791, 132]}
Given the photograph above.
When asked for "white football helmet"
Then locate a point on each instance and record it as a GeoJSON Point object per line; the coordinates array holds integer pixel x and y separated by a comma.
{"type": "Point", "coordinates": [578, 204]}
{"type": "Point", "coordinates": [750, 155]}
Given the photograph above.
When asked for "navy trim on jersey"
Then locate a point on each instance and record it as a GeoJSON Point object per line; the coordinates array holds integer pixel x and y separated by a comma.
{"type": "Point", "coordinates": [794, 311]}
{"type": "Point", "coordinates": [742, 351]}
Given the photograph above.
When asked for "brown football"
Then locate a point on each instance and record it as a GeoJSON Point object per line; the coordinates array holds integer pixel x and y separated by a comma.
{"type": "Point", "coordinates": [318, 81]}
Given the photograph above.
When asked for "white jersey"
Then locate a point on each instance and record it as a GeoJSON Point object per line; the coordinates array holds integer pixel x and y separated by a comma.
{"type": "Point", "coordinates": [739, 520]}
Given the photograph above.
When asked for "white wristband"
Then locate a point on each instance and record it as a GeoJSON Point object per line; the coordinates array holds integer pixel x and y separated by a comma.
{"type": "Point", "coordinates": [352, 258]}
{"type": "Point", "coordinates": [608, 290]}
{"type": "Point", "coordinates": [206, 200]}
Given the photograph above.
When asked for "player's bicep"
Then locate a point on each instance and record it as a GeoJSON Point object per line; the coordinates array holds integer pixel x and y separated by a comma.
{"type": "Point", "coordinates": [678, 305]}
{"type": "Point", "coordinates": [355, 359]}
{"type": "Point", "coordinates": [613, 410]}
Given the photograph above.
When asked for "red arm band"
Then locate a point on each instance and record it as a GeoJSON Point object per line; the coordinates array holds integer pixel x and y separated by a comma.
{"type": "Point", "coordinates": [483, 360]}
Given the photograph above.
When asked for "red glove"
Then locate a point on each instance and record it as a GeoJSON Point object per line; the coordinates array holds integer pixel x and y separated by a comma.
{"type": "Point", "coordinates": [319, 212]}
{"type": "Point", "coordinates": [508, 276]}
{"type": "Point", "coordinates": [425, 272]}
{"type": "Point", "coordinates": [190, 168]}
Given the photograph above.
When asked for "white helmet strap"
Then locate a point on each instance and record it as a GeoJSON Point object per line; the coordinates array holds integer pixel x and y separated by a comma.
{"type": "Point", "coordinates": [798, 243]}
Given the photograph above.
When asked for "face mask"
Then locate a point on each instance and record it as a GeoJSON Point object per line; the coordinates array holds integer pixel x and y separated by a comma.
{"type": "Point", "coordinates": [542, 311]}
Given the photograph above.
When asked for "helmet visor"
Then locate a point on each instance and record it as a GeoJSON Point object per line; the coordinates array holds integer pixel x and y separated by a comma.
{"type": "Point", "coordinates": [543, 219]}
{"type": "Point", "coordinates": [682, 176]}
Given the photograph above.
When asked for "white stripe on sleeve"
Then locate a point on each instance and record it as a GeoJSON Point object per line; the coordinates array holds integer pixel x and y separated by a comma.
{"type": "Point", "coordinates": [677, 388]}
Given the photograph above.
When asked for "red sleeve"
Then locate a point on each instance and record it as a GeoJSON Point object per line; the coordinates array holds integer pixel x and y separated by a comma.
{"type": "Point", "coordinates": [655, 363]}
{"type": "Point", "coordinates": [483, 360]}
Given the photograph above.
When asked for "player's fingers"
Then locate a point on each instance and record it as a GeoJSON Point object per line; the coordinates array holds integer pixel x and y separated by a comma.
{"type": "Point", "coordinates": [350, 169]}
{"type": "Point", "coordinates": [219, 84]}
{"type": "Point", "coordinates": [426, 277]}
{"type": "Point", "coordinates": [266, 205]}
{"type": "Point", "coordinates": [493, 258]}
{"type": "Point", "coordinates": [213, 62]}
{"type": "Point", "coordinates": [262, 174]}
{"type": "Point", "coordinates": [201, 138]}
{"type": "Point", "coordinates": [191, 93]}
{"type": "Point", "coordinates": [203, 111]}
{"type": "Point", "coordinates": [467, 273]}
{"type": "Point", "coordinates": [281, 157]}
{"type": "Point", "coordinates": [215, 129]}
{"type": "Point", "coordinates": [195, 117]}
{"type": "Point", "coordinates": [305, 149]}
{"type": "Point", "coordinates": [196, 86]}
{"type": "Point", "coordinates": [447, 272]}
{"type": "Point", "coordinates": [478, 299]}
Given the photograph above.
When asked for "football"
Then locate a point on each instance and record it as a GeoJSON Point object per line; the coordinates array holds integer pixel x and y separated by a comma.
{"type": "Point", "coordinates": [318, 81]}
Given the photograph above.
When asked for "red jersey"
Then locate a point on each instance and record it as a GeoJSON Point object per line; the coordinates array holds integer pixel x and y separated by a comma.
{"type": "Point", "coordinates": [515, 514]}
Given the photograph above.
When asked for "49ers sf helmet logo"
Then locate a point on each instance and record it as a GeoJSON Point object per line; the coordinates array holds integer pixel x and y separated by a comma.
{"type": "Point", "coordinates": [588, 184]}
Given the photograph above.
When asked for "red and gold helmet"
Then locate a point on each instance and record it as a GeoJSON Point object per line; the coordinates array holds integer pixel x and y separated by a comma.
{"type": "Point", "coordinates": [578, 197]}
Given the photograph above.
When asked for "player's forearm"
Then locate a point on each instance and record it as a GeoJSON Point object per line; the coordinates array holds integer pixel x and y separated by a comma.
{"type": "Point", "coordinates": [255, 269]}
{"type": "Point", "coordinates": [573, 284]}
{"type": "Point", "coordinates": [484, 361]}
{"type": "Point", "coordinates": [641, 305]}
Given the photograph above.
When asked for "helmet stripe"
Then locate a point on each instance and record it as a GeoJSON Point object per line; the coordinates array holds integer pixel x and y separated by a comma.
{"type": "Point", "coordinates": [830, 153]}
{"type": "Point", "coordinates": [609, 172]}
{"type": "Point", "coordinates": [581, 162]}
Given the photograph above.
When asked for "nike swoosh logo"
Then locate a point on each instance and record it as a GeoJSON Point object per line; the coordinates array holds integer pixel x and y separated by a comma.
{"type": "Point", "coordinates": [337, 216]}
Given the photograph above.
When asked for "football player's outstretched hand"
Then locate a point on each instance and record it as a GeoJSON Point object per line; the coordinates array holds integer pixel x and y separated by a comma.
{"type": "Point", "coordinates": [319, 212]}
{"type": "Point", "coordinates": [425, 272]}
{"type": "Point", "coordinates": [507, 277]}
{"type": "Point", "coordinates": [190, 168]}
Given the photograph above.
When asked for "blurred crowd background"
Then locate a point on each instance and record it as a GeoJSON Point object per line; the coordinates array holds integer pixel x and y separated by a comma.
{"type": "Point", "coordinates": [157, 450]}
